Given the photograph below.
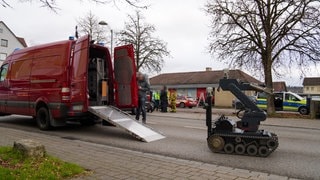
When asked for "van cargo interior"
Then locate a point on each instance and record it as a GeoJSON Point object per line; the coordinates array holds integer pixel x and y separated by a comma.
{"type": "Point", "coordinates": [98, 82]}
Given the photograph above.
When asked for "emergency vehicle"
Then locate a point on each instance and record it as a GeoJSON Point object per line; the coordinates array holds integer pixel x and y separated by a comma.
{"type": "Point", "coordinates": [58, 81]}
{"type": "Point", "coordinates": [72, 80]}
{"type": "Point", "coordinates": [284, 101]}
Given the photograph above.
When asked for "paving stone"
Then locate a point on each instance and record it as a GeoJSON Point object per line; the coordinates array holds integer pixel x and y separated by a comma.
{"type": "Point", "coordinates": [257, 174]}
{"type": "Point", "coordinates": [276, 177]}
{"type": "Point", "coordinates": [240, 174]}
{"type": "Point", "coordinates": [168, 176]}
{"type": "Point", "coordinates": [225, 176]}
{"type": "Point", "coordinates": [208, 177]}
{"type": "Point", "coordinates": [240, 178]}
{"type": "Point", "coordinates": [184, 175]}
{"type": "Point", "coordinates": [108, 162]}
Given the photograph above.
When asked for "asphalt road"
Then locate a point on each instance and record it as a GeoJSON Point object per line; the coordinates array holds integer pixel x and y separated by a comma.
{"type": "Point", "coordinates": [298, 155]}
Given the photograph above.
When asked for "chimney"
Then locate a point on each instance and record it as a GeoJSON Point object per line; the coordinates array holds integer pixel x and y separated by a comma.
{"type": "Point", "coordinates": [208, 68]}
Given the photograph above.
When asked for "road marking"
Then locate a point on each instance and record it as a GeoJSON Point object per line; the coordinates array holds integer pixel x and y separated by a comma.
{"type": "Point", "coordinates": [194, 127]}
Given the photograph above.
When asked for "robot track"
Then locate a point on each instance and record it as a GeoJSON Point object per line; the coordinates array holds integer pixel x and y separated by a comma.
{"type": "Point", "coordinates": [261, 143]}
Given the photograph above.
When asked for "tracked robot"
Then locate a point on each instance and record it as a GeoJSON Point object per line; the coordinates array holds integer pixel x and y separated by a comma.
{"type": "Point", "coordinates": [244, 136]}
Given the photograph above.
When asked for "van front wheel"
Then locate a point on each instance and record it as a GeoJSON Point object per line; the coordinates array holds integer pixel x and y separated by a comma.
{"type": "Point", "coordinates": [43, 118]}
{"type": "Point", "coordinates": [303, 110]}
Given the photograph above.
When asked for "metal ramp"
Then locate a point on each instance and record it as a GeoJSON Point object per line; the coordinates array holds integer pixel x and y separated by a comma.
{"type": "Point", "coordinates": [123, 120]}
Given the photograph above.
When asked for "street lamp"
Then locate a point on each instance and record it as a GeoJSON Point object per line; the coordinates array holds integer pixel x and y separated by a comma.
{"type": "Point", "coordinates": [103, 23]}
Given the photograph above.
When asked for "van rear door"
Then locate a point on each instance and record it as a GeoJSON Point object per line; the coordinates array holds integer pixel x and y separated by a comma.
{"type": "Point", "coordinates": [125, 83]}
{"type": "Point", "coordinates": [79, 71]}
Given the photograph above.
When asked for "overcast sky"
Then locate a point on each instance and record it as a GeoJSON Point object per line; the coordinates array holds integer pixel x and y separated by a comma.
{"type": "Point", "coordinates": [181, 23]}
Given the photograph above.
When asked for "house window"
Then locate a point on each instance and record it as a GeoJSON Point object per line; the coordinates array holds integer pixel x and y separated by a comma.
{"type": "Point", "coordinates": [3, 56]}
{"type": "Point", "coordinates": [312, 88]}
{"type": "Point", "coordinates": [4, 43]}
{"type": "Point", "coordinates": [1, 30]}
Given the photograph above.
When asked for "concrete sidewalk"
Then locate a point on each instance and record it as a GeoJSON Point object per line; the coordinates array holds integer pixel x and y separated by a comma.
{"type": "Point", "coordinates": [108, 162]}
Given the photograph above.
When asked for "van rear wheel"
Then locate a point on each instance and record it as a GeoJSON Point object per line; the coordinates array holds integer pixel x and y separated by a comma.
{"type": "Point", "coordinates": [43, 118]}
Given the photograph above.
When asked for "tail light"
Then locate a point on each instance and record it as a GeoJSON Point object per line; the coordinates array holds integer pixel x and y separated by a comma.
{"type": "Point", "coordinates": [65, 94]}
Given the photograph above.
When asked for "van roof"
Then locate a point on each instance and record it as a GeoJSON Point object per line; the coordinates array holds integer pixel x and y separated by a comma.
{"type": "Point", "coordinates": [42, 46]}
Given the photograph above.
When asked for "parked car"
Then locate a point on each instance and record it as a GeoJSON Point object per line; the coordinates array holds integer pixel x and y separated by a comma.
{"type": "Point", "coordinates": [184, 101]}
{"type": "Point", "coordinates": [236, 103]}
{"type": "Point", "coordinates": [284, 101]}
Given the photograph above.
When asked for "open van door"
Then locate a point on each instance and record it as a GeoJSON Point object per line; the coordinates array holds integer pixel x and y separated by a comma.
{"type": "Point", "coordinates": [79, 73]}
{"type": "Point", "coordinates": [125, 83]}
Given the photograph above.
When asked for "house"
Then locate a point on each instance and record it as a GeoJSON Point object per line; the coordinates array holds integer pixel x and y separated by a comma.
{"type": "Point", "coordinates": [194, 84]}
{"type": "Point", "coordinates": [295, 89]}
{"type": "Point", "coordinates": [9, 42]}
{"type": "Point", "coordinates": [311, 85]}
{"type": "Point", "coordinates": [279, 86]}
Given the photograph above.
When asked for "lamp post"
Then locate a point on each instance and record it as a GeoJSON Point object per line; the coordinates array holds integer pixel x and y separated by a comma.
{"type": "Point", "coordinates": [103, 23]}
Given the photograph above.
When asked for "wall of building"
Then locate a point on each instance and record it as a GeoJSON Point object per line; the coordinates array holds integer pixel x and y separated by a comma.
{"type": "Point", "coordinates": [311, 89]}
{"type": "Point", "coordinates": [13, 42]}
{"type": "Point", "coordinates": [190, 92]}
{"type": "Point", "coordinates": [223, 98]}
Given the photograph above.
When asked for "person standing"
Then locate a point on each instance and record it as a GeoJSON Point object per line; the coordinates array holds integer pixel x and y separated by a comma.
{"type": "Point", "coordinates": [164, 99]}
{"type": "Point", "coordinates": [156, 97]}
{"type": "Point", "coordinates": [173, 99]}
{"type": "Point", "coordinates": [143, 86]}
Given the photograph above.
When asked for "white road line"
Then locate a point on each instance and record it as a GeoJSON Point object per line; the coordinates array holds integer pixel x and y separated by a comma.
{"type": "Point", "coordinates": [194, 127]}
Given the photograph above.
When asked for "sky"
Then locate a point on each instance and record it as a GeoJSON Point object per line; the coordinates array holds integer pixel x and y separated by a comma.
{"type": "Point", "coordinates": [183, 24]}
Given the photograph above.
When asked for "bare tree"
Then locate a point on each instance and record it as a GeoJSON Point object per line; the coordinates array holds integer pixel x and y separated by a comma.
{"type": "Point", "coordinates": [149, 51]}
{"type": "Point", "coordinates": [89, 24]}
{"type": "Point", "coordinates": [265, 34]}
{"type": "Point", "coordinates": [52, 4]}
{"type": "Point", "coordinates": [4, 3]}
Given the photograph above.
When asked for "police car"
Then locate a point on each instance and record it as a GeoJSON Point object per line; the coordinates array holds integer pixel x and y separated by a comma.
{"type": "Point", "coordinates": [284, 101]}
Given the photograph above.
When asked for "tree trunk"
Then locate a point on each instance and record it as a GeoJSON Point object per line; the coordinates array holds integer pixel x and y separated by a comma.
{"type": "Point", "coordinates": [269, 85]}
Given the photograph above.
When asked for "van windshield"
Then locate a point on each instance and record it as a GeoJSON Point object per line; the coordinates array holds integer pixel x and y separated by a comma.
{"type": "Point", "coordinates": [299, 97]}
{"type": "Point", "coordinates": [4, 71]}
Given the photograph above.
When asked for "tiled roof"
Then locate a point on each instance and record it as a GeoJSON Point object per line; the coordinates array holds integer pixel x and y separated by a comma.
{"type": "Point", "coordinates": [22, 41]}
{"type": "Point", "coordinates": [279, 86]}
{"type": "Point", "coordinates": [311, 81]}
{"type": "Point", "coordinates": [200, 77]}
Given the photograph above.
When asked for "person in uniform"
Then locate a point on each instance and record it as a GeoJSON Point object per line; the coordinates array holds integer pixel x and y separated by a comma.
{"type": "Point", "coordinates": [173, 100]}
{"type": "Point", "coordinates": [156, 97]}
{"type": "Point", "coordinates": [164, 99]}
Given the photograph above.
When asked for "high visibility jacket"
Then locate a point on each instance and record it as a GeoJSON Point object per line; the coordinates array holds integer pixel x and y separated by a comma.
{"type": "Point", "coordinates": [156, 96]}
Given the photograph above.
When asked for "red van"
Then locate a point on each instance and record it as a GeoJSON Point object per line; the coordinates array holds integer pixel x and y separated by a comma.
{"type": "Point", "coordinates": [57, 82]}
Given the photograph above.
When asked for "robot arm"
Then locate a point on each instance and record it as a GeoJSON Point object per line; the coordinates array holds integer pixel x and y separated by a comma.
{"type": "Point", "coordinates": [253, 115]}
{"type": "Point", "coordinates": [236, 88]}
